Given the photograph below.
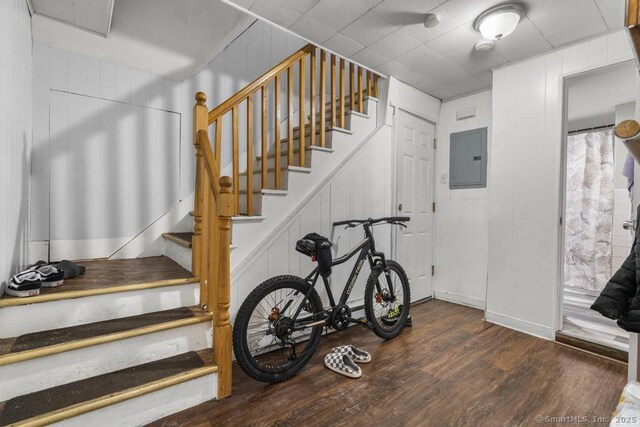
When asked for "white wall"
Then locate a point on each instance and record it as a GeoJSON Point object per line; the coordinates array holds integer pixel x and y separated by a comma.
{"type": "Point", "coordinates": [258, 49]}
{"type": "Point", "coordinates": [106, 153]}
{"type": "Point", "coordinates": [15, 134]}
{"type": "Point", "coordinates": [592, 98]}
{"type": "Point", "coordinates": [400, 94]}
{"type": "Point", "coordinates": [113, 146]}
{"type": "Point", "coordinates": [525, 182]}
{"type": "Point", "coordinates": [462, 216]}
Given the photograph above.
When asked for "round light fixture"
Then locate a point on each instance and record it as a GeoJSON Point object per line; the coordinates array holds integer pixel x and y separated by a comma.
{"type": "Point", "coordinates": [431, 20]}
{"type": "Point", "coordinates": [500, 21]}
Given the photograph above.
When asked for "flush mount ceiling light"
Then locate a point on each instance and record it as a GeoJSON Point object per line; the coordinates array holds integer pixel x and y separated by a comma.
{"type": "Point", "coordinates": [500, 21]}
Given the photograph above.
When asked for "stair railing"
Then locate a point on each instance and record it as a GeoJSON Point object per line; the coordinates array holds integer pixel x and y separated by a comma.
{"type": "Point", "coordinates": [218, 199]}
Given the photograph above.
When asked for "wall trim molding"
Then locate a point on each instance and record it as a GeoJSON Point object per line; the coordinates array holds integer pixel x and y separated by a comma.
{"type": "Point", "coordinates": [459, 299]}
{"type": "Point", "coordinates": [520, 325]}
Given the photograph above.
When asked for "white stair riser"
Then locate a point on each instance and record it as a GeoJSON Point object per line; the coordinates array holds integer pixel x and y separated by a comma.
{"type": "Point", "coordinates": [271, 160]}
{"type": "Point", "coordinates": [178, 253]}
{"type": "Point", "coordinates": [257, 181]}
{"type": "Point", "coordinates": [23, 319]}
{"type": "Point", "coordinates": [150, 407]}
{"type": "Point", "coordinates": [62, 368]}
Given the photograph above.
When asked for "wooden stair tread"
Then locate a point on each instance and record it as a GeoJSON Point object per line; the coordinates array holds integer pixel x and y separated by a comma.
{"type": "Point", "coordinates": [102, 275]}
{"type": "Point", "coordinates": [183, 239]}
{"type": "Point", "coordinates": [38, 340]}
{"type": "Point", "coordinates": [102, 386]}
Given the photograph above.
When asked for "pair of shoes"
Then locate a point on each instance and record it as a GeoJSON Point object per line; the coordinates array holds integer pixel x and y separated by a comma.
{"type": "Point", "coordinates": [28, 282]}
{"type": "Point", "coordinates": [392, 317]}
{"type": "Point", "coordinates": [341, 360]}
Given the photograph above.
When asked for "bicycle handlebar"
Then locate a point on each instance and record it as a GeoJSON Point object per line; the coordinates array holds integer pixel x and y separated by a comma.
{"type": "Point", "coordinates": [371, 221]}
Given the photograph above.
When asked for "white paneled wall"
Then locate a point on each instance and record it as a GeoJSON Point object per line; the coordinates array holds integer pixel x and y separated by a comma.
{"type": "Point", "coordinates": [361, 189]}
{"type": "Point", "coordinates": [15, 134]}
{"type": "Point", "coordinates": [113, 148]}
{"type": "Point", "coordinates": [258, 49]}
{"type": "Point", "coordinates": [462, 219]}
{"type": "Point", "coordinates": [525, 185]}
{"type": "Point", "coordinates": [106, 152]}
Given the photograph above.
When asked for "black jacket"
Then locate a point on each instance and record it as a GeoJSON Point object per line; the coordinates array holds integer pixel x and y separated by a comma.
{"type": "Point", "coordinates": [620, 298]}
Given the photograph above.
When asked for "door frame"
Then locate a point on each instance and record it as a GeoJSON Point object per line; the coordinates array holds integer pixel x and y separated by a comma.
{"type": "Point", "coordinates": [394, 178]}
{"type": "Point", "coordinates": [564, 93]}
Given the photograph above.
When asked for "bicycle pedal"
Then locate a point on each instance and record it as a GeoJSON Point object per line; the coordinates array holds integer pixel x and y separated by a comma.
{"type": "Point", "coordinates": [365, 323]}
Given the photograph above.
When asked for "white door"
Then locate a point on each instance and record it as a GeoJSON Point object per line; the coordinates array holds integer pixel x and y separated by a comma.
{"type": "Point", "coordinates": [414, 198]}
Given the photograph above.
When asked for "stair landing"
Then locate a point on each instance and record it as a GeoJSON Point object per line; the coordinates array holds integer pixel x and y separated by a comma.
{"type": "Point", "coordinates": [104, 276]}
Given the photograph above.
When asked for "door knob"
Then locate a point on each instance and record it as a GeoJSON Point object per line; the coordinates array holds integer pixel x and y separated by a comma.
{"type": "Point", "coordinates": [400, 207]}
{"type": "Point", "coordinates": [629, 225]}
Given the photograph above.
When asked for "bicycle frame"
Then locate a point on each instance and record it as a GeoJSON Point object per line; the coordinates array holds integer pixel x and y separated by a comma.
{"type": "Point", "coordinates": [366, 250]}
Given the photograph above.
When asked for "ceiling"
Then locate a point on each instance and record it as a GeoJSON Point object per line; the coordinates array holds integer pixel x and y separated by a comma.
{"type": "Point", "coordinates": [92, 15]}
{"type": "Point", "coordinates": [171, 38]}
{"type": "Point", "coordinates": [389, 36]}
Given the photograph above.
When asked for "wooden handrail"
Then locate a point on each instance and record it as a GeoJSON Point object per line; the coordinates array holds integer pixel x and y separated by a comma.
{"type": "Point", "coordinates": [218, 199]}
{"type": "Point", "coordinates": [254, 86]}
{"type": "Point", "coordinates": [211, 166]}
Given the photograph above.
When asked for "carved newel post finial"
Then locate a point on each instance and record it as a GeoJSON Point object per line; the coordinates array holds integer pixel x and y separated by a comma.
{"type": "Point", "coordinates": [201, 98]}
{"type": "Point", "coordinates": [225, 184]}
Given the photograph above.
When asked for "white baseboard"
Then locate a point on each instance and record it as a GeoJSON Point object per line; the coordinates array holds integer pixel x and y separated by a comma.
{"type": "Point", "coordinates": [525, 326]}
{"type": "Point", "coordinates": [38, 250]}
{"type": "Point", "coordinates": [459, 299]}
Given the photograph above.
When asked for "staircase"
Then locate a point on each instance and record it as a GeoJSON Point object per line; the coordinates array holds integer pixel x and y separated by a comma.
{"type": "Point", "coordinates": [342, 111]}
{"type": "Point", "coordinates": [134, 340]}
{"type": "Point", "coordinates": [106, 345]}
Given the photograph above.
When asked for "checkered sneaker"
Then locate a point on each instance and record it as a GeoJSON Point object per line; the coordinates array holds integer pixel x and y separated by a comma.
{"type": "Point", "coordinates": [354, 353]}
{"type": "Point", "coordinates": [341, 364]}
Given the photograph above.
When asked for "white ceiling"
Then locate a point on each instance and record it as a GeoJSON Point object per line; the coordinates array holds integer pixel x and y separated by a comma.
{"type": "Point", "coordinates": [92, 15]}
{"type": "Point", "coordinates": [389, 35]}
{"type": "Point", "coordinates": [172, 38]}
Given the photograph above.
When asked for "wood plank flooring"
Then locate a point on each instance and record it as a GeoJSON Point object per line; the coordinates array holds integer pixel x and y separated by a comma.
{"type": "Point", "coordinates": [451, 369]}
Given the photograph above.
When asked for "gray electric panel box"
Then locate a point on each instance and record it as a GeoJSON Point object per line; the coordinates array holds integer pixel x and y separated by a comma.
{"type": "Point", "coordinates": [468, 159]}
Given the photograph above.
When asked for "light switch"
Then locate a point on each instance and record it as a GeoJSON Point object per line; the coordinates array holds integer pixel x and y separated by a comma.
{"type": "Point", "coordinates": [444, 178]}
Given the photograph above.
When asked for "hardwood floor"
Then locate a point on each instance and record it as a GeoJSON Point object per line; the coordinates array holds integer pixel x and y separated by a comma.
{"type": "Point", "coordinates": [451, 369]}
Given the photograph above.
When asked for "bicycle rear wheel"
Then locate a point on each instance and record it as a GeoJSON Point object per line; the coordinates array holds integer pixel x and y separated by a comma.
{"type": "Point", "coordinates": [386, 302]}
{"type": "Point", "coordinates": [265, 343]}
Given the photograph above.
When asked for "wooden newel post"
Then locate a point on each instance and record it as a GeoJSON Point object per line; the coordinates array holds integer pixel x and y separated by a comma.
{"type": "Point", "coordinates": [200, 121]}
{"type": "Point", "coordinates": [222, 330]}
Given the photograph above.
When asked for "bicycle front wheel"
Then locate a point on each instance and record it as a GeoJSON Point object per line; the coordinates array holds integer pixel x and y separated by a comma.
{"type": "Point", "coordinates": [387, 299]}
{"type": "Point", "coordinates": [267, 341]}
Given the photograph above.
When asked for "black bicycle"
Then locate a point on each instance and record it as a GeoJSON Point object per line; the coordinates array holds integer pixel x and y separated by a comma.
{"type": "Point", "coordinates": [279, 325]}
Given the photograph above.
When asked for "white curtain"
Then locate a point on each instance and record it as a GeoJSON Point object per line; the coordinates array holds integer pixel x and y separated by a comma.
{"type": "Point", "coordinates": [589, 210]}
